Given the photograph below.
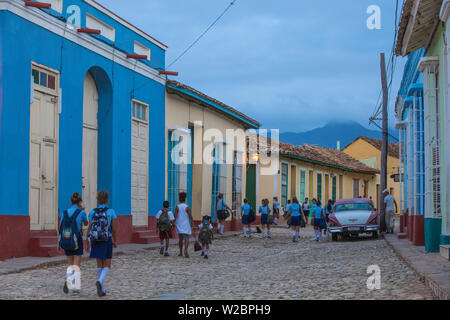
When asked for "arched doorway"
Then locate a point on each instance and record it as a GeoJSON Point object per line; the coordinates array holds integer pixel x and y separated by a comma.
{"type": "Point", "coordinates": [90, 142]}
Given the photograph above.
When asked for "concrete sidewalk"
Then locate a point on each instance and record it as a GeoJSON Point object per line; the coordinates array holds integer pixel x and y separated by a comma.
{"type": "Point", "coordinates": [432, 268]}
{"type": "Point", "coordinates": [17, 265]}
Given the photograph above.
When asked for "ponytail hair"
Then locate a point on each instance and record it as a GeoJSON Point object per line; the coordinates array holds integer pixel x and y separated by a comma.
{"type": "Point", "coordinates": [76, 198]}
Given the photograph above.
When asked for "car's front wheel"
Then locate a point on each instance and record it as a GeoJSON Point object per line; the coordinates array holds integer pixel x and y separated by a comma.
{"type": "Point", "coordinates": [375, 234]}
{"type": "Point", "coordinates": [334, 237]}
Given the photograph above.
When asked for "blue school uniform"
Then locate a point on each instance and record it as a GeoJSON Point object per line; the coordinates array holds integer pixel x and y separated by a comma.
{"type": "Point", "coordinates": [294, 209]}
{"type": "Point", "coordinates": [245, 212]}
{"type": "Point", "coordinates": [318, 219]}
{"type": "Point", "coordinates": [264, 210]}
{"type": "Point", "coordinates": [221, 207]}
{"type": "Point", "coordinates": [103, 250]}
{"type": "Point", "coordinates": [276, 207]}
{"type": "Point", "coordinates": [82, 217]}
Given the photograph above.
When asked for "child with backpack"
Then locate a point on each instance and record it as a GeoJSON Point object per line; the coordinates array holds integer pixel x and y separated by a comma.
{"type": "Point", "coordinates": [71, 236]}
{"type": "Point", "coordinates": [246, 211]}
{"type": "Point", "coordinates": [102, 238]}
{"type": "Point", "coordinates": [205, 235]}
{"type": "Point", "coordinates": [276, 210]}
{"type": "Point", "coordinates": [286, 215]}
{"type": "Point", "coordinates": [264, 210]}
{"type": "Point", "coordinates": [164, 225]}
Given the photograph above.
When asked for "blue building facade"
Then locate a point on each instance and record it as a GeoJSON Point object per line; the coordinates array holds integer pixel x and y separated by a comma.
{"type": "Point", "coordinates": [51, 73]}
{"type": "Point", "coordinates": [410, 121]}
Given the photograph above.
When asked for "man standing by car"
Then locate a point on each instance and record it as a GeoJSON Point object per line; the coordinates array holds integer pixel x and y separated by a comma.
{"type": "Point", "coordinates": [389, 203]}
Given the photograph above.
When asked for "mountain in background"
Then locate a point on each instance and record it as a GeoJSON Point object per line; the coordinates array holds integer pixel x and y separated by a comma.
{"type": "Point", "coordinates": [327, 136]}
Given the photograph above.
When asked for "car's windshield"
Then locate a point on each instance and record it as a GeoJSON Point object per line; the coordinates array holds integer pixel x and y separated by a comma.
{"type": "Point", "coordinates": [354, 206]}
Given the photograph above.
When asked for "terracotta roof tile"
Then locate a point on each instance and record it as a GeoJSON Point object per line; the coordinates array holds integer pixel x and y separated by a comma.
{"type": "Point", "coordinates": [319, 155]}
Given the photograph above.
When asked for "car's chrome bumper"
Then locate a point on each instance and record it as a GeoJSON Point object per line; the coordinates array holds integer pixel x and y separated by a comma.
{"type": "Point", "coordinates": [354, 228]}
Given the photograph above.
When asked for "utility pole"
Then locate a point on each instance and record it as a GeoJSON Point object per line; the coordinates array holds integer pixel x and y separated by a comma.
{"type": "Point", "coordinates": [384, 146]}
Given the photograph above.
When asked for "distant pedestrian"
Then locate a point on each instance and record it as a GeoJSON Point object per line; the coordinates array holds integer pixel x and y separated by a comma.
{"type": "Point", "coordinates": [183, 223]}
{"type": "Point", "coordinates": [318, 217]}
{"type": "Point", "coordinates": [221, 210]}
{"type": "Point", "coordinates": [264, 210]}
{"type": "Point", "coordinates": [102, 238]}
{"type": "Point", "coordinates": [389, 217]}
{"type": "Point", "coordinates": [276, 210]}
{"type": "Point", "coordinates": [328, 209]}
{"type": "Point", "coordinates": [205, 235]}
{"type": "Point", "coordinates": [306, 207]}
{"type": "Point", "coordinates": [296, 213]}
{"type": "Point", "coordinates": [164, 224]}
{"type": "Point", "coordinates": [245, 214]}
{"type": "Point", "coordinates": [71, 235]}
{"type": "Point", "coordinates": [286, 215]}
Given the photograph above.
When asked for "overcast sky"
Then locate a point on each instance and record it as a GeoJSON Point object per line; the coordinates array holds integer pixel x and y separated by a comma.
{"type": "Point", "coordinates": [290, 64]}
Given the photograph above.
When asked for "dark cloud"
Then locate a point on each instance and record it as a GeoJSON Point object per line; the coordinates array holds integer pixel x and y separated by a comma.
{"type": "Point", "coordinates": [282, 62]}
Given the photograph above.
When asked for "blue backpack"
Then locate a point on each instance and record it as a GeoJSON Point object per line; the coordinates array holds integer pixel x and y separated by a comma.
{"type": "Point", "coordinates": [99, 231]}
{"type": "Point", "coordinates": [68, 231]}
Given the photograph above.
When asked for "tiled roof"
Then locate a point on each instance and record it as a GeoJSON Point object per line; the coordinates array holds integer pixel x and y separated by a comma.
{"type": "Point", "coordinates": [204, 96]}
{"type": "Point", "coordinates": [319, 155]}
{"type": "Point", "coordinates": [392, 147]}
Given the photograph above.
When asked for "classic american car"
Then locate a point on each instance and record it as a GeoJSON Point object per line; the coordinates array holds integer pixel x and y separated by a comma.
{"type": "Point", "coordinates": [351, 217]}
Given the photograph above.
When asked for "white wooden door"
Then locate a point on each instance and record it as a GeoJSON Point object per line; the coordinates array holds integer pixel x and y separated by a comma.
{"type": "Point", "coordinates": [43, 192]}
{"type": "Point", "coordinates": [139, 165]}
{"type": "Point", "coordinates": [90, 143]}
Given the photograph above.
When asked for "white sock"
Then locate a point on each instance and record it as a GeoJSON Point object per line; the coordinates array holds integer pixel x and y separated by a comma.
{"type": "Point", "coordinates": [263, 232]}
{"type": "Point", "coordinates": [68, 274]}
{"type": "Point", "coordinates": [245, 231]}
{"type": "Point", "coordinates": [317, 233]}
{"type": "Point", "coordinates": [249, 230]}
{"type": "Point", "coordinates": [320, 236]}
{"type": "Point", "coordinates": [268, 232]}
{"type": "Point", "coordinates": [99, 272]}
{"type": "Point", "coordinates": [221, 228]}
{"type": "Point", "coordinates": [297, 235]}
{"type": "Point", "coordinates": [275, 220]}
{"type": "Point", "coordinates": [293, 233]}
{"type": "Point", "coordinates": [218, 227]}
{"type": "Point", "coordinates": [103, 276]}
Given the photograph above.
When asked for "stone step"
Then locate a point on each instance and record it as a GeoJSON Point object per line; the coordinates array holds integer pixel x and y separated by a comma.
{"type": "Point", "coordinates": [445, 251]}
{"type": "Point", "coordinates": [402, 235]}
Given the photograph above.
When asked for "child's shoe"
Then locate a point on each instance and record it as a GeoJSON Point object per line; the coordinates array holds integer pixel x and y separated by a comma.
{"type": "Point", "coordinates": [161, 251]}
{"type": "Point", "coordinates": [65, 288]}
{"type": "Point", "coordinates": [203, 253]}
{"type": "Point", "coordinates": [206, 256]}
{"type": "Point", "coordinates": [166, 254]}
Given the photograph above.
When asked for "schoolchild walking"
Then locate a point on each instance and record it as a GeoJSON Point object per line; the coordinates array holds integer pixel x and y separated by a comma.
{"type": "Point", "coordinates": [306, 207]}
{"type": "Point", "coordinates": [221, 211]}
{"type": "Point", "coordinates": [71, 236]}
{"type": "Point", "coordinates": [245, 213]}
{"type": "Point", "coordinates": [205, 235]}
{"type": "Point", "coordinates": [318, 217]}
{"type": "Point", "coordinates": [276, 210]}
{"type": "Point", "coordinates": [264, 210]}
{"type": "Point", "coordinates": [183, 223]}
{"type": "Point", "coordinates": [296, 213]}
{"type": "Point", "coordinates": [164, 224]}
{"type": "Point", "coordinates": [286, 215]}
{"type": "Point", "coordinates": [328, 209]}
{"type": "Point", "coordinates": [102, 238]}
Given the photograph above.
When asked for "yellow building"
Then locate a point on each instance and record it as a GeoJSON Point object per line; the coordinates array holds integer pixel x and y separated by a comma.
{"type": "Point", "coordinates": [211, 137]}
{"type": "Point", "coordinates": [368, 151]}
{"type": "Point", "coordinates": [311, 172]}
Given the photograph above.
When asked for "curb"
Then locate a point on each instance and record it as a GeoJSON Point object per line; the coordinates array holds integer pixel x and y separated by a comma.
{"type": "Point", "coordinates": [438, 292]}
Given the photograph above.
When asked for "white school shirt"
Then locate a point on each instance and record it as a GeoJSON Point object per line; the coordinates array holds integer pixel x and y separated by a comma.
{"type": "Point", "coordinates": [201, 226]}
{"type": "Point", "coordinates": [170, 214]}
{"type": "Point", "coordinates": [183, 222]}
{"type": "Point", "coordinates": [389, 200]}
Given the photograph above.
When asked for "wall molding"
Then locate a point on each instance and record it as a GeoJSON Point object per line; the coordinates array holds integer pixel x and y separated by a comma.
{"type": "Point", "coordinates": [68, 32]}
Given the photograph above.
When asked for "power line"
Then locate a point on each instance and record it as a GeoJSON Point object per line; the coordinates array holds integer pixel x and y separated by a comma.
{"type": "Point", "coordinates": [201, 36]}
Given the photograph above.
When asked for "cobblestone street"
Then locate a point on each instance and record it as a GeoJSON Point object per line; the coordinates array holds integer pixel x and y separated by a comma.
{"type": "Point", "coordinates": [237, 268]}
